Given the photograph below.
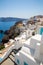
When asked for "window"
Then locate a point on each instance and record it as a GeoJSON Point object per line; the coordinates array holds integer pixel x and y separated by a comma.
{"type": "Point", "coordinates": [17, 61]}
{"type": "Point", "coordinates": [25, 63]}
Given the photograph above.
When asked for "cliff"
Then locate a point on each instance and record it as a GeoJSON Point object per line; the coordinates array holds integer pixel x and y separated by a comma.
{"type": "Point", "coordinates": [12, 32]}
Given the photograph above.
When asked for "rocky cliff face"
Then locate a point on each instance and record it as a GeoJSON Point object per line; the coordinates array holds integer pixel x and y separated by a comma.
{"type": "Point", "coordinates": [12, 32]}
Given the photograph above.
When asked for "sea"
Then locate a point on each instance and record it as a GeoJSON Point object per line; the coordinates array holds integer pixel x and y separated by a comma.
{"type": "Point", "coordinates": [5, 26]}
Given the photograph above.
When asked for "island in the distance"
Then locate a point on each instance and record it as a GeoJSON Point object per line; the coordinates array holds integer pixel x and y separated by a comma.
{"type": "Point", "coordinates": [7, 19]}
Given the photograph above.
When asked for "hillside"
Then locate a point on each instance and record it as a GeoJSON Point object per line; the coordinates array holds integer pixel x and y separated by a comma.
{"type": "Point", "coordinates": [37, 16]}
{"type": "Point", "coordinates": [12, 32]}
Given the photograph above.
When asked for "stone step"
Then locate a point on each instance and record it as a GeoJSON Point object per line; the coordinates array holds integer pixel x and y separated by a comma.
{"type": "Point", "coordinates": [13, 54]}
{"type": "Point", "coordinates": [11, 57]}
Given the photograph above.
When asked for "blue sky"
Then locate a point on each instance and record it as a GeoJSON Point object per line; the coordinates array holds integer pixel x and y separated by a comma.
{"type": "Point", "coordinates": [21, 8]}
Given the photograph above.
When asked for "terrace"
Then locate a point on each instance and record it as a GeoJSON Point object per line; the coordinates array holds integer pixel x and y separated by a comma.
{"type": "Point", "coordinates": [9, 61]}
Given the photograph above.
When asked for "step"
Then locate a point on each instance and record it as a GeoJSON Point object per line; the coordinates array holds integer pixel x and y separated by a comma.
{"type": "Point", "coordinates": [11, 57]}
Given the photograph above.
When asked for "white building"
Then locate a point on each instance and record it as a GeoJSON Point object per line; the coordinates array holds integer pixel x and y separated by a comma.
{"type": "Point", "coordinates": [30, 55]}
{"type": "Point", "coordinates": [32, 27]}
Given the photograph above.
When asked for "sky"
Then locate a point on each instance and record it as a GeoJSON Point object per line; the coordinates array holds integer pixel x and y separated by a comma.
{"type": "Point", "coordinates": [21, 8]}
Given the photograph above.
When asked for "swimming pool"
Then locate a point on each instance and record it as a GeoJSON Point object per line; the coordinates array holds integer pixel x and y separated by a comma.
{"type": "Point", "coordinates": [41, 30]}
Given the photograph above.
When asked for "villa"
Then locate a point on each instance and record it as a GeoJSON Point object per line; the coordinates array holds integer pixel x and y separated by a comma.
{"type": "Point", "coordinates": [31, 53]}
{"type": "Point", "coordinates": [28, 47]}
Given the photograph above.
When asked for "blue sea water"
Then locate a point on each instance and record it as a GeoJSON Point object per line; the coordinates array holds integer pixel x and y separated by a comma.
{"type": "Point", "coordinates": [5, 26]}
{"type": "Point", "coordinates": [41, 30]}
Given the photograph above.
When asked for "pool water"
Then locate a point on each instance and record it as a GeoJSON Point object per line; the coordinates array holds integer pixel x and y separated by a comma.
{"type": "Point", "coordinates": [0, 59]}
{"type": "Point", "coordinates": [41, 30]}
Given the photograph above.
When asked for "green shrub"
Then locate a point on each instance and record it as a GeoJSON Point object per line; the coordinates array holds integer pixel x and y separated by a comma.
{"type": "Point", "coordinates": [2, 47]}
